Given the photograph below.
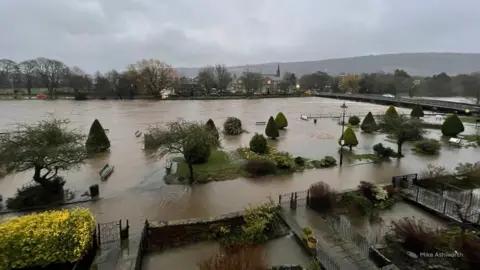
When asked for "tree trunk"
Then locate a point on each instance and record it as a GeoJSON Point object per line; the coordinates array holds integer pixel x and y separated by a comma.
{"type": "Point", "coordinates": [191, 176]}
{"type": "Point", "coordinates": [350, 148]}
{"type": "Point", "coordinates": [37, 177]}
{"type": "Point", "coordinates": [29, 90]}
{"type": "Point", "coordinates": [399, 149]}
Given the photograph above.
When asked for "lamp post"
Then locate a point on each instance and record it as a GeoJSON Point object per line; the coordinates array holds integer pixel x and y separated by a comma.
{"type": "Point", "coordinates": [342, 141]}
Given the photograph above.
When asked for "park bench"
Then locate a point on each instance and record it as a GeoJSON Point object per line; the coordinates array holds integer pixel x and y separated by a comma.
{"type": "Point", "coordinates": [260, 123]}
{"type": "Point", "coordinates": [138, 133]}
{"type": "Point", "coordinates": [455, 141]}
{"type": "Point", "coordinates": [304, 117]}
{"type": "Point", "coordinates": [106, 171]}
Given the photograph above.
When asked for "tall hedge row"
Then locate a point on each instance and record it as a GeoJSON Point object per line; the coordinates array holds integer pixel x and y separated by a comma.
{"type": "Point", "coordinates": [46, 238]}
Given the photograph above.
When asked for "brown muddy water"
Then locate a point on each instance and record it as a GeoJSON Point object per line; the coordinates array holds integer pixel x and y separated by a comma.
{"type": "Point", "coordinates": [136, 190]}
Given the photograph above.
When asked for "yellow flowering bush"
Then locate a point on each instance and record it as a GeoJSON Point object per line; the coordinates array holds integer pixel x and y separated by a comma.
{"type": "Point", "coordinates": [44, 238]}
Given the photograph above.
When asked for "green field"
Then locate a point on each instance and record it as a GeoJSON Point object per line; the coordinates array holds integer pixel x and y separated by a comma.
{"type": "Point", "coordinates": [24, 90]}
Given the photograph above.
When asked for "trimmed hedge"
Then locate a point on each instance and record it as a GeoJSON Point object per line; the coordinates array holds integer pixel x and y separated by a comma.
{"type": "Point", "coordinates": [211, 127]}
{"type": "Point", "coordinates": [417, 111]}
{"type": "Point", "coordinates": [349, 137]}
{"type": "Point", "coordinates": [369, 125]}
{"type": "Point", "coordinates": [271, 129]}
{"type": "Point", "coordinates": [97, 140]}
{"type": "Point", "coordinates": [281, 121]}
{"type": "Point", "coordinates": [258, 144]}
{"type": "Point", "coordinates": [452, 126]}
{"type": "Point", "coordinates": [391, 112]}
{"type": "Point", "coordinates": [51, 237]}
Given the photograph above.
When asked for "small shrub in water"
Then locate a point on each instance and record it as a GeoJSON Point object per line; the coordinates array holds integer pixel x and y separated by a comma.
{"type": "Point", "coordinates": [383, 152]}
{"type": "Point", "coordinates": [354, 120]}
{"type": "Point", "coordinates": [258, 144]}
{"type": "Point", "coordinates": [38, 195]}
{"type": "Point", "coordinates": [97, 140]}
{"type": "Point", "coordinates": [321, 197]}
{"type": "Point", "coordinates": [417, 111]}
{"type": "Point", "coordinates": [232, 126]}
{"type": "Point", "coordinates": [327, 162]}
{"type": "Point", "coordinates": [271, 129]}
{"type": "Point", "coordinates": [369, 124]}
{"type": "Point", "coordinates": [299, 161]}
{"type": "Point", "coordinates": [452, 126]}
{"type": "Point", "coordinates": [366, 189]}
{"type": "Point", "coordinates": [427, 147]}
{"type": "Point", "coordinates": [281, 121]}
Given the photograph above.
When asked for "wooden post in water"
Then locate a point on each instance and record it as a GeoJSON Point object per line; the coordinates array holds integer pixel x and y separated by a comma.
{"type": "Point", "coordinates": [280, 199]}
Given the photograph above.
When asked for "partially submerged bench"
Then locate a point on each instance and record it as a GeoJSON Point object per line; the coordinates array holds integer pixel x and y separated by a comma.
{"type": "Point", "coordinates": [455, 141]}
{"type": "Point", "coordinates": [106, 171]}
{"type": "Point", "coordinates": [138, 133]}
{"type": "Point", "coordinates": [304, 117]}
{"type": "Point", "coordinates": [260, 123]}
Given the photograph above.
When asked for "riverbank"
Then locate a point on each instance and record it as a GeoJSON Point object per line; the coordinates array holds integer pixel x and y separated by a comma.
{"type": "Point", "coordinates": [150, 97]}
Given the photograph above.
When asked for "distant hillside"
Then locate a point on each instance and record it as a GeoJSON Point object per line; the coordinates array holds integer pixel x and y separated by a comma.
{"type": "Point", "coordinates": [420, 64]}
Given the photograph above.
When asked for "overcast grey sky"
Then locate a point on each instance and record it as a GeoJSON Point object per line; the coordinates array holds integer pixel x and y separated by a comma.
{"type": "Point", "coordinates": [106, 34]}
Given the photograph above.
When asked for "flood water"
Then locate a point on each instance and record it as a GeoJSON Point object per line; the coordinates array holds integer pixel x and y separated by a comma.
{"type": "Point", "coordinates": [136, 190]}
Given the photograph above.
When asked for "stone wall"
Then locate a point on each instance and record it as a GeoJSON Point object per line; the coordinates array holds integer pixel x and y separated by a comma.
{"type": "Point", "coordinates": [174, 233]}
{"type": "Point", "coordinates": [287, 267]}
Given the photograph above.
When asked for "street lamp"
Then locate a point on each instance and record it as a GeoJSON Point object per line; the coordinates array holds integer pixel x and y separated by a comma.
{"type": "Point", "coordinates": [342, 141]}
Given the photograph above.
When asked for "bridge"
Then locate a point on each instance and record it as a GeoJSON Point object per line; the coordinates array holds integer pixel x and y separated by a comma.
{"type": "Point", "coordinates": [427, 104]}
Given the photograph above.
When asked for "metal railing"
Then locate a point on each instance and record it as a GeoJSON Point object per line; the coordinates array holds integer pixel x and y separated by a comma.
{"type": "Point", "coordinates": [142, 247]}
{"type": "Point", "coordinates": [433, 103]}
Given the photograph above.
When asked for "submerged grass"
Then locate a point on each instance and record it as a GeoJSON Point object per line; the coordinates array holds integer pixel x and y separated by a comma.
{"type": "Point", "coordinates": [218, 168]}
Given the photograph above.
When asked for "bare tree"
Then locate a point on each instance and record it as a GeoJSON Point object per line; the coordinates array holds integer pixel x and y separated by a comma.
{"type": "Point", "coordinates": [50, 72]}
{"type": "Point", "coordinates": [206, 78]}
{"type": "Point", "coordinates": [223, 77]}
{"type": "Point", "coordinates": [77, 80]}
{"type": "Point", "coordinates": [252, 81]}
{"type": "Point", "coordinates": [154, 75]}
{"type": "Point", "coordinates": [8, 70]}
{"type": "Point", "coordinates": [28, 69]}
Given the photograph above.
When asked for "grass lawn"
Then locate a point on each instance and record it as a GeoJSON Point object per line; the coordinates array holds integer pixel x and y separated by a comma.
{"type": "Point", "coordinates": [218, 168]}
{"type": "Point", "coordinates": [470, 138]}
{"type": "Point", "coordinates": [368, 157]}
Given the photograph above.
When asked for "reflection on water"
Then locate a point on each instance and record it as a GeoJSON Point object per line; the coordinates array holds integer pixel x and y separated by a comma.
{"type": "Point", "coordinates": [136, 190]}
{"type": "Point", "coordinates": [281, 251]}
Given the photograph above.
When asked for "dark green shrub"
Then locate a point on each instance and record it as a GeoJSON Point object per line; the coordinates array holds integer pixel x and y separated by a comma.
{"type": "Point", "coordinates": [97, 140]}
{"type": "Point", "coordinates": [452, 126]}
{"type": "Point", "coordinates": [80, 96]}
{"type": "Point", "coordinates": [233, 126]}
{"type": "Point", "coordinates": [417, 111]}
{"type": "Point", "coordinates": [271, 129]}
{"type": "Point", "coordinates": [284, 161]}
{"type": "Point", "coordinates": [258, 144]}
{"type": "Point", "coordinates": [38, 195]}
{"type": "Point", "coordinates": [321, 197]}
{"type": "Point", "coordinates": [197, 154]}
{"type": "Point", "coordinates": [299, 161]}
{"type": "Point", "coordinates": [427, 147]}
{"type": "Point", "coordinates": [391, 112]}
{"type": "Point", "coordinates": [383, 152]}
{"type": "Point", "coordinates": [260, 167]}
{"type": "Point", "coordinates": [211, 127]}
{"type": "Point", "coordinates": [369, 125]}
{"type": "Point", "coordinates": [281, 121]}
{"type": "Point", "coordinates": [354, 120]}
{"type": "Point", "coordinates": [363, 205]}
{"type": "Point", "coordinates": [415, 235]}
{"type": "Point", "coordinates": [349, 137]}
{"type": "Point", "coordinates": [327, 162]}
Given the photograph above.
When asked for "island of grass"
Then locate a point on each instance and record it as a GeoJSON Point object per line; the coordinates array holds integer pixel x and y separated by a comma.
{"type": "Point", "coordinates": [219, 167]}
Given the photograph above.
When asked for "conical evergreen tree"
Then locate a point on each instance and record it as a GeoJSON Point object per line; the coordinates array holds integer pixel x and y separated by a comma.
{"type": "Point", "coordinates": [452, 126]}
{"type": "Point", "coordinates": [211, 126]}
{"type": "Point", "coordinates": [349, 137]}
{"type": "Point", "coordinates": [97, 140]}
{"type": "Point", "coordinates": [369, 125]}
{"type": "Point", "coordinates": [391, 112]}
{"type": "Point", "coordinates": [281, 121]}
{"type": "Point", "coordinates": [417, 111]}
{"type": "Point", "coordinates": [271, 130]}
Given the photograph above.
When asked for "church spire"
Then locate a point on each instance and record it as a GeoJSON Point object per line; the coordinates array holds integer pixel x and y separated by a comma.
{"type": "Point", "coordinates": [278, 71]}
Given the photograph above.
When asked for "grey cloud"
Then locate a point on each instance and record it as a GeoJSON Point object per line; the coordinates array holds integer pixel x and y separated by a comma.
{"type": "Point", "coordinates": [105, 34]}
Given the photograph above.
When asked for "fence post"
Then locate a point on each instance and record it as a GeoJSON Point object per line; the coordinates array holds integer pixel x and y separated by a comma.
{"type": "Point", "coordinates": [444, 205]}
{"type": "Point", "coordinates": [280, 199]}
{"type": "Point", "coordinates": [418, 192]}
{"type": "Point", "coordinates": [99, 235]}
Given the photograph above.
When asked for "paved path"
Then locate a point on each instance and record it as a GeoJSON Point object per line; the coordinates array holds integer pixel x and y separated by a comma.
{"type": "Point", "coordinates": [118, 255]}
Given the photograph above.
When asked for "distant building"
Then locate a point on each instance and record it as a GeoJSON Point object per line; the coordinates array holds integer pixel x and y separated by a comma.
{"type": "Point", "coordinates": [271, 82]}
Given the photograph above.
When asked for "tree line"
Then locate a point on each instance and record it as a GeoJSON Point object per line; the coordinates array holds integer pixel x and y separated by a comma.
{"type": "Point", "coordinates": [151, 77]}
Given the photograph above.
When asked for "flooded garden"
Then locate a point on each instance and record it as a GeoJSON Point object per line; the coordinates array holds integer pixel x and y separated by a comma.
{"type": "Point", "coordinates": [137, 191]}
